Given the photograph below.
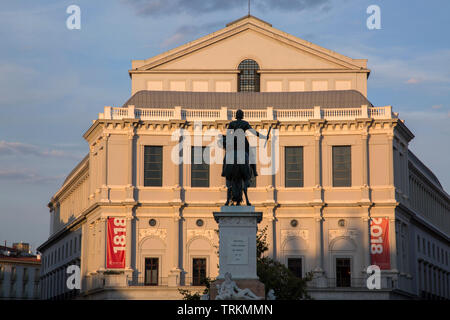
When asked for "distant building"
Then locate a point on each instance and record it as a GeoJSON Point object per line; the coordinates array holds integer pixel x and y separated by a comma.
{"type": "Point", "coordinates": [348, 192]}
{"type": "Point", "coordinates": [19, 272]}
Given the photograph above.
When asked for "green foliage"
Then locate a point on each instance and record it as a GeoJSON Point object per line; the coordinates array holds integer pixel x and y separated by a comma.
{"type": "Point", "coordinates": [276, 275]}
{"type": "Point", "coordinates": [188, 295]}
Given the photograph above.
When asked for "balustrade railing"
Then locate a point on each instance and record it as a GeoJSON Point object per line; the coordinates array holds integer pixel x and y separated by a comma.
{"type": "Point", "coordinates": [179, 113]}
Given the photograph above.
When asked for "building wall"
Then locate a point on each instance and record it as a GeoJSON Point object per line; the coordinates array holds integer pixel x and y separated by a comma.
{"type": "Point", "coordinates": [19, 280]}
{"type": "Point", "coordinates": [379, 189]}
{"type": "Point", "coordinates": [56, 259]}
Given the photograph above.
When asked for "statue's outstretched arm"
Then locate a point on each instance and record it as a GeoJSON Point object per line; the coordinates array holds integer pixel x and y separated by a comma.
{"type": "Point", "coordinates": [256, 133]}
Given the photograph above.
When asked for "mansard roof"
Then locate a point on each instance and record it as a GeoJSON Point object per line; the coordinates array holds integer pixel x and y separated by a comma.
{"type": "Point", "coordinates": [248, 100]}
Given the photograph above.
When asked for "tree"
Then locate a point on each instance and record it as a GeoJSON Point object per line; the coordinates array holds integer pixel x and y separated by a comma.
{"type": "Point", "coordinates": [276, 275]}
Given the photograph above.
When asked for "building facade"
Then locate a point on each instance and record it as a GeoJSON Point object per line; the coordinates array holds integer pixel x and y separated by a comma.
{"type": "Point", "coordinates": [335, 165]}
{"type": "Point", "coordinates": [19, 273]}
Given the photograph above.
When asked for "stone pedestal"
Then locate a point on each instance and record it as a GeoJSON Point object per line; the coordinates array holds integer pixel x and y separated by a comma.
{"type": "Point", "coordinates": [237, 247]}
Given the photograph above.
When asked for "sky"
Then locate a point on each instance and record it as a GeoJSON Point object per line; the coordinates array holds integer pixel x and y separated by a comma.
{"type": "Point", "coordinates": [54, 81]}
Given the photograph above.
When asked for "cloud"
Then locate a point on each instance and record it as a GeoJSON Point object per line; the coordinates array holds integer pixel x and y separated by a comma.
{"type": "Point", "coordinates": [437, 106]}
{"type": "Point", "coordinates": [293, 5]}
{"type": "Point", "coordinates": [27, 176]}
{"type": "Point", "coordinates": [18, 148]}
{"type": "Point", "coordinates": [187, 32]}
{"type": "Point", "coordinates": [195, 7]}
{"type": "Point", "coordinates": [424, 68]}
{"type": "Point", "coordinates": [413, 81]}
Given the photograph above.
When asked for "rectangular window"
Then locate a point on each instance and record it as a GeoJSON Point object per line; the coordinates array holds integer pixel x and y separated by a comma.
{"type": "Point", "coordinates": [13, 274]}
{"type": "Point", "coordinates": [151, 271]}
{"type": "Point", "coordinates": [293, 164]}
{"type": "Point", "coordinates": [198, 271]}
{"type": "Point", "coordinates": [343, 272]}
{"type": "Point", "coordinates": [342, 166]}
{"type": "Point", "coordinates": [153, 166]}
{"type": "Point", "coordinates": [295, 266]}
{"type": "Point", "coordinates": [199, 167]}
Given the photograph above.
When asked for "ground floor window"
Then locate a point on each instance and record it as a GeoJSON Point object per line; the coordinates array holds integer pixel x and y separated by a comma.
{"type": "Point", "coordinates": [295, 266]}
{"type": "Point", "coordinates": [343, 272]}
{"type": "Point", "coordinates": [198, 271]}
{"type": "Point", "coordinates": [151, 271]}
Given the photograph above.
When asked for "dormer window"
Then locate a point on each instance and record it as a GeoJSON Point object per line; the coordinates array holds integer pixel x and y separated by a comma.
{"type": "Point", "coordinates": [248, 78]}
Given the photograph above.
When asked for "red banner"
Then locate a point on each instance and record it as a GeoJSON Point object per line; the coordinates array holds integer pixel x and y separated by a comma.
{"type": "Point", "coordinates": [379, 243]}
{"type": "Point", "coordinates": [115, 258]}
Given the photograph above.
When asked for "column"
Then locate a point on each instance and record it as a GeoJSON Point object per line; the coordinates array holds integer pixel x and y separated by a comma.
{"type": "Point", "coordinates": [175, 272]}
{"type": "Point", "coordinates": [130, 188]}
{"type": "Point", "coordinates": [129, 237]}
{"type": "Point", "coordinates": [319, 273]}
{"type": "Point", "coordinates": [390, 162]}
{"type": "Point", "coordinates": [366, 239]}
{"type": "Point", "coordinates": [275, 234]}
{"type": "Point", "coordinates": [318, 163]}
{"type": "Point", "coordinates": [319, 239]}
{"type": "Point", "coordinates": [91, 172]}
{"type": "Point", "coordinates": [271, 232]}
{"type": "Point", "coordinates": [104, 188]}
{"type": "Point", "coordinates": [365, 169]}
{"type": "Point", "coordinates": [103, 238]}
{"type": "Point", "coordinates": [393, 243]}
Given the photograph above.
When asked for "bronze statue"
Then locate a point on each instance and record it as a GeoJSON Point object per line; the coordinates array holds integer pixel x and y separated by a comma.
{"type": "Point", "coordinates": [238, 173]}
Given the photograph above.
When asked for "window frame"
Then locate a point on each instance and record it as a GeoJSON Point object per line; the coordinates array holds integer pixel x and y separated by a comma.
{"type": "Point", "coordinates": [336, 258]}
{"type": "Point", "coordinates": [200, 282]}
{"type": "Point", "coordinates": [208, 184]}
{"type": "Point", "coordinates": [302, 259]}
{"type": "Point", "coordinates": [161, 178]}
{"type": "Point", "coordinates": [245, 81]}
{"type": "Point", "coordinates": [157, 271]}
{"type": "Point", "coordinates": [301, 165]}
{"type": "Point", "coordinates": [333, 168]}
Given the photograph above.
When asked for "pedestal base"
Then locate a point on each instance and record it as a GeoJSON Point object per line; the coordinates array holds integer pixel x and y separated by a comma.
{"type": "Point", "coordinates": [237, 241]}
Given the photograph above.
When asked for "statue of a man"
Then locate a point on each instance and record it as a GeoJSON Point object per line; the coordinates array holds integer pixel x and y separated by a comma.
{"type": "Point", "coordinates": [249, 169]}
{"type": "Point", "coordinates": [228, 290]}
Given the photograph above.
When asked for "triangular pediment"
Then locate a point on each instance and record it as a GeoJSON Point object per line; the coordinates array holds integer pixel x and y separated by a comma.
{"type": "Point", "coordinates": [249, 37]}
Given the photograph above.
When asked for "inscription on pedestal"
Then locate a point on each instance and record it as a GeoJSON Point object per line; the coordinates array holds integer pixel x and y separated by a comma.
{"type": "Point", "coordinates": [238, 250]}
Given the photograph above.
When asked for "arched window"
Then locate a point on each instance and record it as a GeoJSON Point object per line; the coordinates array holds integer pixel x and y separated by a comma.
{"type": "Point", "coordinates": [248, 78]}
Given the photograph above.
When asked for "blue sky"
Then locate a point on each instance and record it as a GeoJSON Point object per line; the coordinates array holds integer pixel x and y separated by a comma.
{"type": "Point", "coordinates": [54, 81]}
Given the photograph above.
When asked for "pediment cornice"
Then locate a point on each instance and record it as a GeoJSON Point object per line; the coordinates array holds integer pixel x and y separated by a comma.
{"type": "Point", "coordinates": [258, 26]}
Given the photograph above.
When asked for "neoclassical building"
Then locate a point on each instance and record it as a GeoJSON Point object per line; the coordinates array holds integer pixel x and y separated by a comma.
{"type": "Point", "coordinates": [340, 189]}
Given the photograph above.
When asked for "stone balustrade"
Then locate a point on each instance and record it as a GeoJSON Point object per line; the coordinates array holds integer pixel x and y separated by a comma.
{"type": "Point", "coordinates": [269, 113]}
